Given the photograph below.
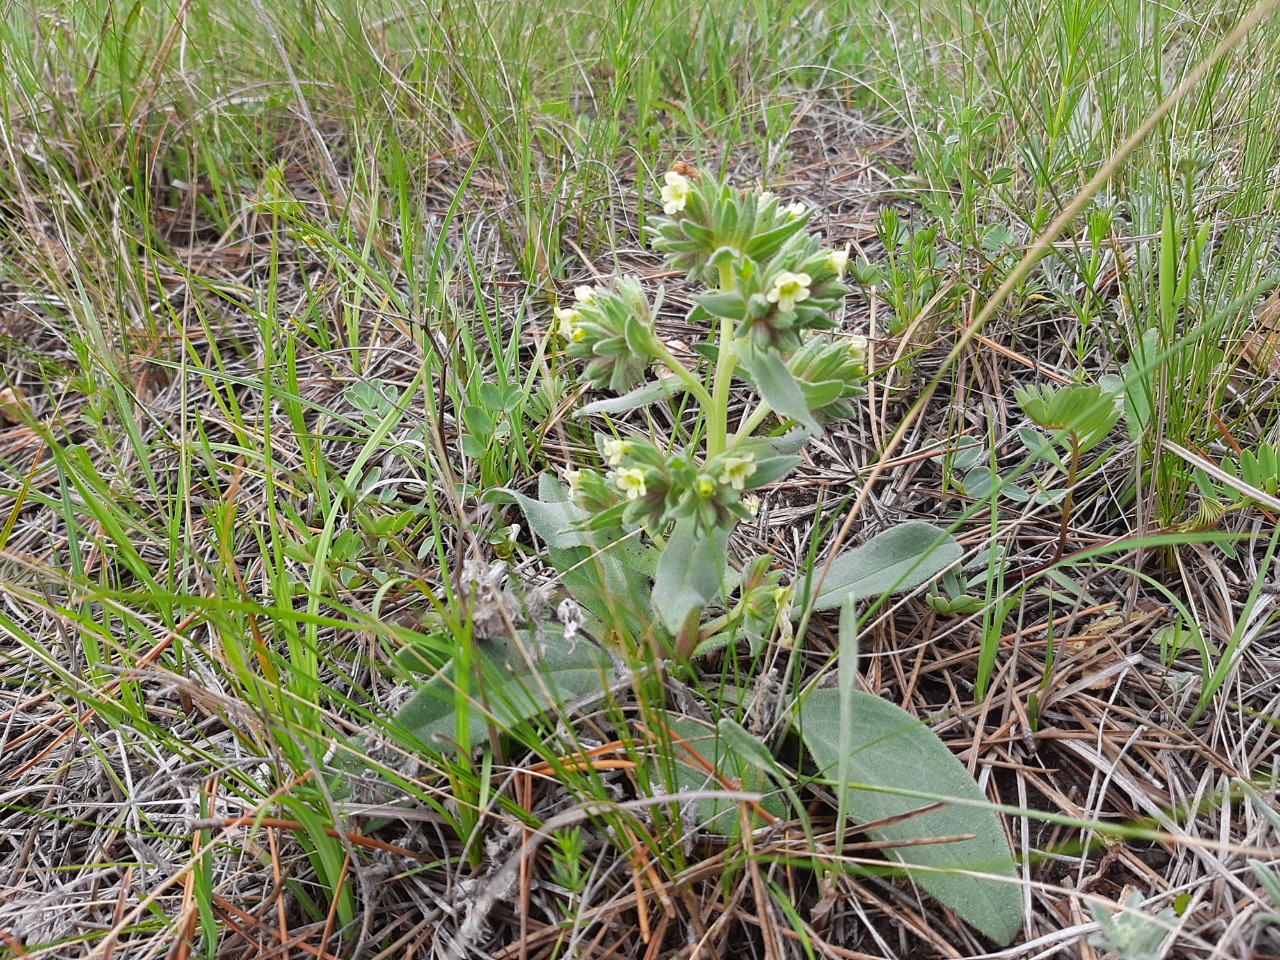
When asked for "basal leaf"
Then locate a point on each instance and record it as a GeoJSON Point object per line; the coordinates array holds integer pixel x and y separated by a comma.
{"type": "Point", "coordinates": [901, 558]}
{"type": "Point", "coordinates": [975, 877]}
{"type": "Point", "coordinates": [512, 682]}
{"type": "Point", "coordinates": [770, 469]}
{"type": "Point", "coordinates": [516, 687]}
{"type": "Point", "coordinates": [790, 443]}
{"type": "Point", "coordinates": [609, 576]}
{"type": "Point", "coordinates": [553, 516]}
{"type": "Point", "coordinates": [753, 771]}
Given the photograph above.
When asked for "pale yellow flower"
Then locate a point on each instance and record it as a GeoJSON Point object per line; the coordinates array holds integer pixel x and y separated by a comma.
{"type": "Point", "coordinates": [568, 319]}
{"type": "Point", "coordinates": [676, 193]}
{"type": "Point", "coordinates": [795, 211]}
{"type": "Point", "coordinates": [706, 486]}
{"type": "Point", "coordinates": [615, 450]}
{"type": "Point", "coordinates": [789, 289]}
{"type": "Point", "coordinates": [839, 260]}
{"type": "Point", "coordinates": [858, 349]}
{"type": "Point", "coordinates": [630, 480]}
{"type": "Point", "coordinates": [585, 295]}
{"type": "Point", "coordinates": [783, 598]}
{"type": "Point", "coordinates": [737, 470]}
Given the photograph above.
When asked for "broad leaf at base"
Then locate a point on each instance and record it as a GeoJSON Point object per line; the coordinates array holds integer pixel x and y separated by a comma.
{"type": "Point", "coordinates": [901, 558]}
{"type": "Point", "coordinates": [894, 750]}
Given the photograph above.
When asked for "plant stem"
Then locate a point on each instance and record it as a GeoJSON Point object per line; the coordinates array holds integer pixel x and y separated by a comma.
{"type": "Point", "coordinates": [687, 641]}
{"type": "Point", "coordinates": [748, 426]}
{"type": "Point", "coordinates": [1068, 501]}
{"type": "Point", "coordinates": [696, 386]}
{"type": "Point", "coordinates": [726, 360]}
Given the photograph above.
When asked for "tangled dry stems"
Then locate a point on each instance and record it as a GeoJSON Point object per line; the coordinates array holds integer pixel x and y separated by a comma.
{"type": "Point", "coordinates": [98, 813]}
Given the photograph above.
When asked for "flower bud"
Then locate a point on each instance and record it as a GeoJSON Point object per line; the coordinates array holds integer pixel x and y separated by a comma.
{"type": "Point", "coordinates": [830, 373]}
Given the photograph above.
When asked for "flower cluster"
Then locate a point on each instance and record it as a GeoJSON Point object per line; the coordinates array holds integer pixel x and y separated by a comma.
{"type": "Point", "coordinates": [782, 282]}
{"type": "Point", "coordinates": [654, 488]}
{"type": "Point", "coordinates": [776, 303]}
{"type": "Point", "coordinates": [829, 372]}
{"type": "Point", "coordinates": [706, 222]}
{"type": "Point", "coordinates": [612, 331]}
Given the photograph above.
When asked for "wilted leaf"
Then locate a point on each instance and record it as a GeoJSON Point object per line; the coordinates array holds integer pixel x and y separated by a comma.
{"type": "Point", "coordinates": [14, 405]}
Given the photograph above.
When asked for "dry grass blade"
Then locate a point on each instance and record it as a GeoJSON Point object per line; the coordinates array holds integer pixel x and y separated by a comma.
{"type": "Point", "coordinates": [199, 341]}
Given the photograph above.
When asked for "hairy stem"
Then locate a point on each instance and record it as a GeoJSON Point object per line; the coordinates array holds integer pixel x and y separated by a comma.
{"type": "Point", "coordinates": [726, 360]}
{"type": "Point", "coordinates": [696, 386]}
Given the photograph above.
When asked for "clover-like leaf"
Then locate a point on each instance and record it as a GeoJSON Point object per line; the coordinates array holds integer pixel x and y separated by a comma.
{"type": "Point", "coordinates": [1078, 415]}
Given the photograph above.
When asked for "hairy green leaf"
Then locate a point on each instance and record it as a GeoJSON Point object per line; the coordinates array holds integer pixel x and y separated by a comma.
{"type": "Point", "coordinates": [778, 386]}
{"type": "Point", "coordinates": [901, 558]}
{"type": "Point", "coordinates": [893, 751]}
{"type": "Point", "coordinates": [690, 572]}
{"type": "Point", "coordinates": [661, 389]}
{"type": "Point", "coordinates": [517, 681]}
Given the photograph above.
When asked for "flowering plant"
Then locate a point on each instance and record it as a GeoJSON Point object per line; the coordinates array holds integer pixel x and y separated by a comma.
{"type": "Point", "coordinates": [641, 540]}
{"type": "Point", "coordinates": [770, 314]}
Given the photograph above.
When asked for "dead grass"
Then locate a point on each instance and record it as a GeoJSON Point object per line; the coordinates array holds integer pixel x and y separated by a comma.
{"type": "Point", "coordinates": [121, 822]}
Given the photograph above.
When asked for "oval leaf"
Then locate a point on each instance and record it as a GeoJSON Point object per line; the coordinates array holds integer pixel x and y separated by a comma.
{"type": "Point", "coordinates": [477, 420]}
{"type": "Point", "coordinates": [512, 692]}
{"type": "Point", "coordinates": [894, 750]}
{"type": "Point", "coordinates": [723, 304]}
{"type": "Point", "coordinates": [554, 516]}
{"type": "Point", "coordinates": [901, 558]}
{"type": "Point", "coordinates": [778, 386]}
{"type": "Point", "coordinates": [689, 573]}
